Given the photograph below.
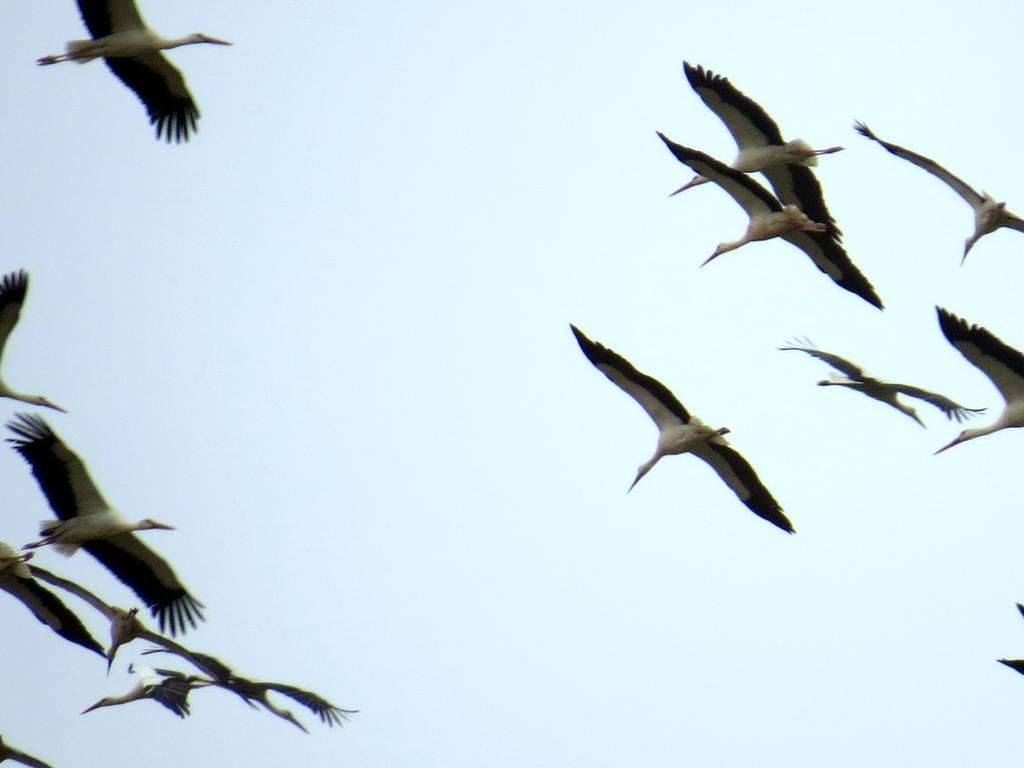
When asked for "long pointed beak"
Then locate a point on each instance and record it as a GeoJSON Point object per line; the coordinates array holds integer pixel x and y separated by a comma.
{"type": "Point", "coordinates": [163, 527]}
{"type": "Point", "coordinates": [97, 705]}
{"type": "Point", "coordinates": [691, 183]}
{"type": "Point", "coordinates": [967, 249]}
{"type": "Point", "coordinates": [710, 258]}
{"type": "Point", "coordinates": [947, 447]}
{"type": "Point", "coordinates": [636, 480]}
{"type": "Point", "coordinates": [216, 41]}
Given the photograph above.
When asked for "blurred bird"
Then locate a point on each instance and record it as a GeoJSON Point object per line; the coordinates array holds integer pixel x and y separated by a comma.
{"type": "Point", "coordinates": [1003, 364]}
{"type": "Point", "coordinates": [883, 391]}
{"type": "Point", "coordinates": [16, 579]}
{"type": "Point", "coordinates": [254, 692]}
{"type": "Point", "coordinates": [167, 687]}
{"type": "Point", "coordinates": [988, 214]}
{"type": "Point", "coordinates": [86, 520]}
{"type": "Point", "coordinates": [13, 288]}
{"type": "Point", "coordinates": [10, 753]}
{"type": "Point", "coordinates": [132, 52]}
{"type": "Point", "coordinates": [125, 625]}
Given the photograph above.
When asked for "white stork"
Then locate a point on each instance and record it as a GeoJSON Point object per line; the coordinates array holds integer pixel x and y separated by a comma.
{"type": "Point", "coordinates": [10, 753]}
{"type": "Point", "coordinates": [13, 288]}
{"type": "Point", "coordinates": [165, 686]}
{"type": "Point", "coordinates": [679, 432]}
{"type": "Point", "coordinates": [132, 51]}
{"type": "Point", "coordinates": [254, 692]}
{"type": "Point", "coordinates": [988, 214]}
{"type": "Point", "coordinates": [769, 218]}
{"type": "Point", "coordinates": [16, 579]}
{"type": "Point", "coordinates": [1003, 364]}
{"type": "Point", "coordinates": [760, 146]}
{"type": "Point", "coordinates": [86, 520]}
{"type": "Point", "coordinates": [125, 625]}
{"type": "Point", "coordinates": [883, 391]}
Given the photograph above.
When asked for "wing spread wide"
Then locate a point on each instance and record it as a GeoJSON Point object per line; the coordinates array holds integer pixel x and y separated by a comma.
{"type": "Point", "coordinates": [741, 477]}
{"type": "Point", "coordinates": [104, 17]}
{"type": "Point", "coordinates": [150, 577]}
{"type": "Point", "coordinates": [1003, 364]}
{"type": "Point", "coordinates": [162, 90]}
{"type": "Point", "coordinates": [61, 474]}
{"type": "Point", "coordinates": [49, 609]}
{"type": "Point", "coordinates": [13, 288]}
{"type": "Point", "coordinates": [750, 195]}
{"type": "Point", "coordinates": [831, 258]}
{"type": "Point", "coordinates": [852, 370]}
{"type": "Point", "coordinates": [746, 120]}
{"type": "Point", "coordinates": [653, 396]}
{"type": "Point", "coordinates": [958, 185]}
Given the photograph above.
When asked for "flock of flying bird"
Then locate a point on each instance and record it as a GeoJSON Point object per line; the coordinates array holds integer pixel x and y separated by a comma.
{"type": "Point", "coordinates": [84, 518]}
{"type": "Point", "coordinates": [797, 213]}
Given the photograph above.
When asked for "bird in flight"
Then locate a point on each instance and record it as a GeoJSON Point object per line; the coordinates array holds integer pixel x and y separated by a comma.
{"type": "Point", "coordinates": [679, 432]}
{"type": "Point", "coordinates": [883, 391]}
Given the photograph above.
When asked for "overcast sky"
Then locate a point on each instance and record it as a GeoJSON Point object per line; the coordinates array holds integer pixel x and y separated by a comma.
{"type": "Point", "coordinates": [328, 341]}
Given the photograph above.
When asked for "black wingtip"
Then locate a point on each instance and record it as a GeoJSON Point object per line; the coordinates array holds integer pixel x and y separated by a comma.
{"type": "Point", "coordinates": [863, 130]}
{"type": "Point", "coordinates": [174, 615]}
{"type": "Point", "coordinates": [1016, 665]}
{"type": "Point", "coordinates": [29, 428]}
{"type": "Point", "coordinates": [953, 327]}
{"type": "Point", "coordinates": [588, 346]}
{"type": "Point", "coordinates": [781, 522]}
{"type": "Point", "coordinates": [14, 286]}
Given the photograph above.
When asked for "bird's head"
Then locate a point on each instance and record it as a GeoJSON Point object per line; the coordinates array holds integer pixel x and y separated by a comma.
{"type": "Point", "coordinates": [643, 470]}
{"type": "Point", "coordinates": [49, 404]}
{"type": "Point", "coordinates": [149, 524]}
{"type": "Point", "coordinates": [106, 701]}
{"type": "Point", "coordinates": [199, 37]}
{"type": "Point", "coordinates": [719, 250]}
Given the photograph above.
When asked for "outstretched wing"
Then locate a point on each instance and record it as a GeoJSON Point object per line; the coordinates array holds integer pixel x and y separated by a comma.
{"type": "Point", "coordinates": [653, 396]}
{"type": "Point", "coordinates": [951, 409]}
{"type": "Point", "coordinates": [741, 477]}
{"type": "Point", "coordinates": [150, 577]}
{"type": "Point", "coordinates": [958, 185]}
{"type": "Point", "coordinates": [746, 120]}
{"type": "Point", "coordinates": [328, 713]}
{"type": "Point", "coordinates": [852, 370]}
{"type": "Point", "coordinates": [1003, 364]}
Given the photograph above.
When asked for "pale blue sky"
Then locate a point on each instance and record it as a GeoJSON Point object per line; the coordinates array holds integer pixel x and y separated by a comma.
{"type": "Point", "coordinates": [328, 341]}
